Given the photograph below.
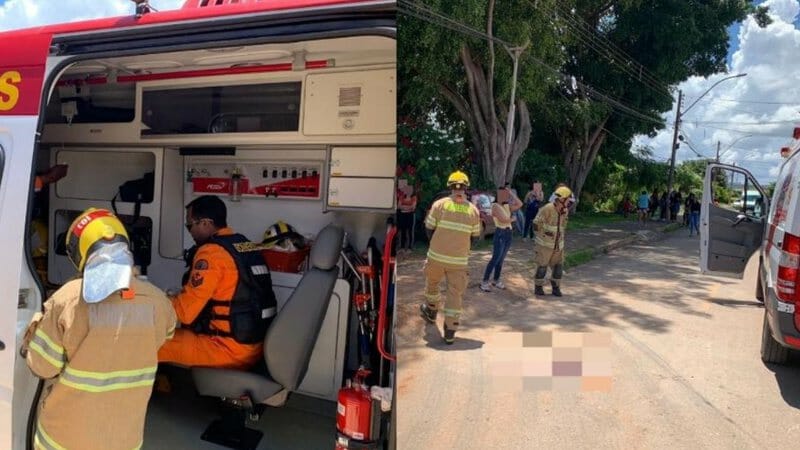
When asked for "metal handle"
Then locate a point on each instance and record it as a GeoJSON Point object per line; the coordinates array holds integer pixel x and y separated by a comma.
{"type": "Point", "coordinates": [741, 218]}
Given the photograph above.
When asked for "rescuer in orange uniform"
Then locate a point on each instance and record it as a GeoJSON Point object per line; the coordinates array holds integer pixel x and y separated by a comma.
{"type": "Point", "coordinates": [204, 304]}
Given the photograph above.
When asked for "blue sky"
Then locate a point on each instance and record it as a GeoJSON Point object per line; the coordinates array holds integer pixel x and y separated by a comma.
{"type": "Point", "coordinates": [733, 34]}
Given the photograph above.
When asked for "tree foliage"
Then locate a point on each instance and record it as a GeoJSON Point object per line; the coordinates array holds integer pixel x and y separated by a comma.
{"type": "Point", "coordinates": [468, 81]}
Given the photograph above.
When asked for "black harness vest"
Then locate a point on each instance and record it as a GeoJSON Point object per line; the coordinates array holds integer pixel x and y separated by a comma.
{"type": "Point", "coordinates": [253, 305]}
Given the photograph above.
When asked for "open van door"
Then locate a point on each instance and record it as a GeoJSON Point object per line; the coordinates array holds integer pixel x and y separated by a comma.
{"type": "Point", "coordinates": [729, 235]}
{"type": "Point", "coordinates": [22, 71]}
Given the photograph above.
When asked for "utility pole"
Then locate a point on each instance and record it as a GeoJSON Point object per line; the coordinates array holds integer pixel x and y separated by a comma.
{"type": "Point", "coordinates": [674, 141]}
{"type": "Point", "coordinates": [717, 151]}
{"type": "Point", "coordinates": [678, 115]}
{"type": "Point", "coordinates": [512, 107]}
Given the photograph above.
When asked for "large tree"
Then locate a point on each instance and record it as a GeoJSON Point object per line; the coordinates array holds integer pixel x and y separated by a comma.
{"type": "Point", "coordinates": [468, 79]}
{"type": "Point", "coordinates": [624, 56]}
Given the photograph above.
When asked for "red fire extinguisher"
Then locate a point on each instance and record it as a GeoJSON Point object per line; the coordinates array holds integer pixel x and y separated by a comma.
{"type": "Point", "coordinates": [354, 413]}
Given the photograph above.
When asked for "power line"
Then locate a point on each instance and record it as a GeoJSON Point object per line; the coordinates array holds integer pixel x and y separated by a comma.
{"type": "Point", "coordinates": [604, 47]}
{"type": "Point", "coordinates": [691, 147]}
{"type": "Point", "coordinates": [774, 122]}
{"type": "Point", "coordinates": [436, 18]}
{"type": "Point", "coordinates": [720, 99]}
{"type": "Point", "coordinates": [742, 131]}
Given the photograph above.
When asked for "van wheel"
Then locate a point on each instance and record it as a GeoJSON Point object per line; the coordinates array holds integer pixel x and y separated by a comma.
{"type": "Point", "coordinates": [759, 286]}
{"type": "Point", "coordinates": [771, 350]}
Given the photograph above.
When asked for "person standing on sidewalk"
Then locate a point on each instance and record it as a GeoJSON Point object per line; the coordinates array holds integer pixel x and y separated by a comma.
{"type": "Point", "coordinates": [503, 215]}
{"type": "Point", "coordinates": [532, 200]}
{"type": "Point", "coordinates": [407, 206]}
{"type": "Point", "coordinates": [693, 206]}
{"type": "Point", "coordinates": [451, 223]}
{"type": "Point", "coordinates": [551, 225]}
{"type": "Point", "coordinates": [643, 206]}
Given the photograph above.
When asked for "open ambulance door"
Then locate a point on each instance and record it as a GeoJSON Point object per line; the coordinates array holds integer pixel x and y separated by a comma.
{"type": "Point", "coordinates": [730, 232]}
{"type": "Point", "coordinates": [22, 71]}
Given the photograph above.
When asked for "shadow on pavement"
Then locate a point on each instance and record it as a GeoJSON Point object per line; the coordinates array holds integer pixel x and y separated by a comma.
{"type": "Point", "coordinates": [787, 377]}
{"type": "Point", "coordinates": [433, 339]}
{"type": "Point", "coordinates": [737, 303]}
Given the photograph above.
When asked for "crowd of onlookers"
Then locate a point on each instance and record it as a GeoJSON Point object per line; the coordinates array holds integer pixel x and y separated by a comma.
{"type": "Point", "coordinates": [665, 208]}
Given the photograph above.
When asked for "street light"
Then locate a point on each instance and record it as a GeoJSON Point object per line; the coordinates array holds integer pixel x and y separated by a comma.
{"type": "Point", "coordinates": [719, 155]}
{"type": "Point", "coordinates": [678, 114]}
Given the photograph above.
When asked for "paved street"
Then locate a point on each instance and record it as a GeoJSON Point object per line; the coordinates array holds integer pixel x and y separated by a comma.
{"type": "Point", "coordinates": [684, 361]}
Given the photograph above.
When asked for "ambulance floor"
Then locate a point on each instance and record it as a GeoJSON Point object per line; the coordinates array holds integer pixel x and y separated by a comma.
{"type": "Point", "coordinates": [176, 420]}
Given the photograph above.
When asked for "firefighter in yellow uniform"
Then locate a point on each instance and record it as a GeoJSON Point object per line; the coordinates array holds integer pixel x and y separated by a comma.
{"type": "Point", "coordinates": [452, 222]}
{"type": "Point", "coordinates": [97, 343]}
{"type": "Point", "coordinates": [550, 225]}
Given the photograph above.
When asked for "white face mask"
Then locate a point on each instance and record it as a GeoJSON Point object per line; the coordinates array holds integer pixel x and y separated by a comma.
{"type": "Point", "coordinates": [108, 269]}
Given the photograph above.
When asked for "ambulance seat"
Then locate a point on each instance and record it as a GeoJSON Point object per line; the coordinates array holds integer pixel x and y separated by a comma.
{"type": "Point", "coordinates": [287, 350]}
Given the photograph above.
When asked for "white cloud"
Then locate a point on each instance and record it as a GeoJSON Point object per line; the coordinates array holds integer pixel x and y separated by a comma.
{"type": "Point", "coordinates": [765, 104]}
{"type": "Point", "coordinates": [16, 14]}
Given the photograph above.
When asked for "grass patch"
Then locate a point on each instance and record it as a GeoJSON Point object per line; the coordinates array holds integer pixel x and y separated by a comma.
{"type": "Point", "coordinates": [578, 257]}
{"type": "Point", "coordinates": [582, 220]}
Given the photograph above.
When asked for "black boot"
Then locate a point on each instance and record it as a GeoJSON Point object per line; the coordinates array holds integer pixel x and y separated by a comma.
{"type": "Point", "coordinates": [427, 313]}
{"type": "Point", "coordinates": [556, 290]}
{"type": "Point", "coordinates": [539, 291]}
{"type": "Point", "coordinates": [449, 335]}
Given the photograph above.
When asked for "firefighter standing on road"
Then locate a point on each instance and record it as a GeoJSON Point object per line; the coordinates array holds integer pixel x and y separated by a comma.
{"type": "Point", "coordinates": [96, 344]}
{"type": "Point", "coordinates": [205, 305]}
{"type": "Point", "coordinates": [550, 225]}
{"type": "Point", "coordinates": [451, 222]}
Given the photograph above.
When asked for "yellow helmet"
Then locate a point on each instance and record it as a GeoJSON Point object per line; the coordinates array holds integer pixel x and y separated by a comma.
{"type": "Point", "coordinates": [458, 180]}
{"type": "Point", "coordinates": [90, 228]}
{"type": "Point", "coordinates": [563, 192]}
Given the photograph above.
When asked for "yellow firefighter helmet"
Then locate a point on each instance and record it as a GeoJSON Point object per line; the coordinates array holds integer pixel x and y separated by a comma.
{"type": "Point", "coordinates": [93, 226]}
{"type": "Point", "coordinates": [564, 192]}
{"type": "Point", "coordinates": [458, 180]}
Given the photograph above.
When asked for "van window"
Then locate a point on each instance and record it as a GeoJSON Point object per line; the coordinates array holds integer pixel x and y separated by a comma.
{"type": "Point", "coordinates": [249, 108]}
{"type": "Point", "coordinates": [96, 103]}
{"type": "Point", "coordinates": [97, 175]}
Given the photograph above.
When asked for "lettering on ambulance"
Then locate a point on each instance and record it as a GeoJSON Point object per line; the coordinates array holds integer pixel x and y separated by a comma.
{"type": "Point", "coordinates": [9, 92]}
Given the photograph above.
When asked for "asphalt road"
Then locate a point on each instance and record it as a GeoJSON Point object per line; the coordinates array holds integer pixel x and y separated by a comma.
{"type": "Point", "coordinates": [684, 363]}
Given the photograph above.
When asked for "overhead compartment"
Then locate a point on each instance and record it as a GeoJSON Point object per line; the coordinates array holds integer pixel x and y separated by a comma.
{"type": "Point", "coordinates": [351, 103]}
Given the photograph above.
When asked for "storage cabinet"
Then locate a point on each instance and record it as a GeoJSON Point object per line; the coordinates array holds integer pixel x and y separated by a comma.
{"type": "Point", "coordinates": [362, 178]}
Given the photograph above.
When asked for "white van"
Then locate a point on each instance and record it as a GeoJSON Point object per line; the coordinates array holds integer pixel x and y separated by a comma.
{"type": "Point", "coordinates": [731, 233]}
{"type": "Point", "coordinates": [291, 102]}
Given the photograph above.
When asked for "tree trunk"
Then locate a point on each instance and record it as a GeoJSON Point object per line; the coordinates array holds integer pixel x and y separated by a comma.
{"type": "Point", "coordinates": [580, 153]}
{"type": "Point", "coordinates": [477, 109]}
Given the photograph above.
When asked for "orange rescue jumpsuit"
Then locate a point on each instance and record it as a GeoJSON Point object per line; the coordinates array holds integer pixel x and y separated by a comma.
{"type": "Point", "coordinates": [213, 276]}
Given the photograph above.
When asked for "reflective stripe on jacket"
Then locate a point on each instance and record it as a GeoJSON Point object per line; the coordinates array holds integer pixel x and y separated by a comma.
{"type": "Point", "coordinates": [453, 224]}
{"type": "Point", "coordinates": [101, 361]}
{"type": "Point", "coordinates": [550, 227]}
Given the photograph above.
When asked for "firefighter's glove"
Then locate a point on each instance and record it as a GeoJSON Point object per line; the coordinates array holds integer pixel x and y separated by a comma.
{"type": "Point", "coordinates": [26, 340]}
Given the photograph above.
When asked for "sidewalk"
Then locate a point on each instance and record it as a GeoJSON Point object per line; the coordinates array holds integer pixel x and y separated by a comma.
{"type": "Point", "coordinates": [582, 245]}
{"type": "Point", "coordinates": [608, 237]}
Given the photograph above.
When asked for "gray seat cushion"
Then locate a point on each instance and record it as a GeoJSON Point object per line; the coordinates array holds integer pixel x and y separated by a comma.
{"type": "Point", "coordinates": [233, 383]}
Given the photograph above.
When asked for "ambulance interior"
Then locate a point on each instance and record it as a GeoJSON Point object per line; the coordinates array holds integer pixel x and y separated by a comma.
{"type": "Point", "coordinates": [302, 133]}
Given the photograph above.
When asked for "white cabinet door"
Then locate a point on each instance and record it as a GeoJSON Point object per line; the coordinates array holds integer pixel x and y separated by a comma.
{"type": "Point", "coordinates": [373, 193]}
{"type": "Point", "coordinates": [379, 162]}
